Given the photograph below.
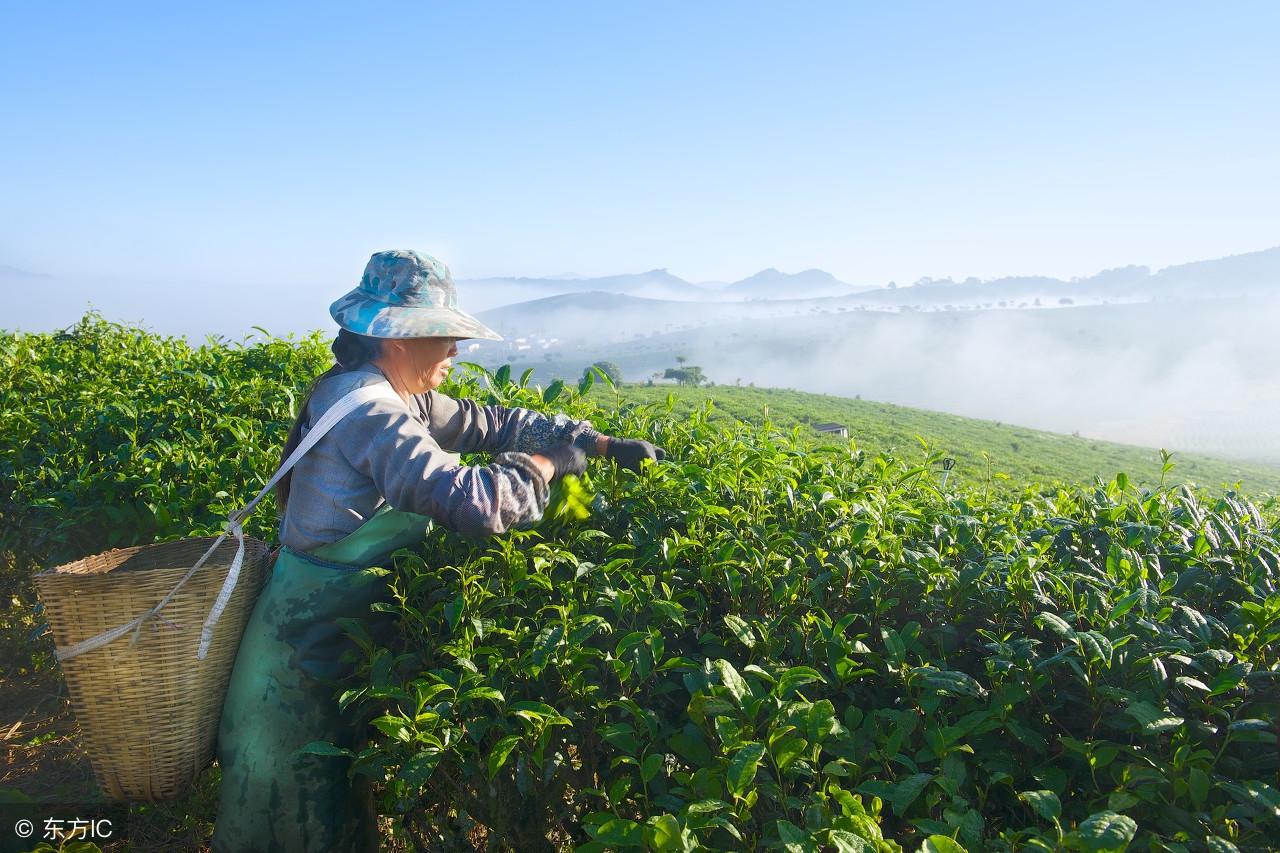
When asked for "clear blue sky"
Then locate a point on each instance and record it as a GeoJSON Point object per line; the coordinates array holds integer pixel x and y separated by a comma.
{"type": "Point", "coordinates": [275, 144]}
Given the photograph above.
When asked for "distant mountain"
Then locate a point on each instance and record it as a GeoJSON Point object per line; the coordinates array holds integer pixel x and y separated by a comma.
{"type": "Point", "coordinates": [930, 294]}
{"type": "Point", "coordinates": [654, 284]}
{"type": "Point", "coordinates": [645, 304]}
{"type": "Point", "coordinates": [1251, 274]}
{"type": "Point", "coordinates": [772, 284]}
{"type": "Point", "coordinates": [626, 308]}
{"type": "Point", "coordinates": [488, 293]}
{"type": "Point", "coordinates": [593, 317]}
{"type": "Point", "coordinates": [613, 317]}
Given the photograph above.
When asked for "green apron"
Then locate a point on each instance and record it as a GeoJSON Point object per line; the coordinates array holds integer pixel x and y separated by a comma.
{"type": "Point", "coordinates": [281, 698]}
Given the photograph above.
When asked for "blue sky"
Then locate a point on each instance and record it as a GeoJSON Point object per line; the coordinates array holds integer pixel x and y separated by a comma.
{"type": "Point", "coordinates": [279, 145]}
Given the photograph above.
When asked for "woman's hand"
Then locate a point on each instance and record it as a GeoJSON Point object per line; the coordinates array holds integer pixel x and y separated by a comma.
{"type": "Point", "coordinates": [560, 459]}
{"type": "Point", "coordinates": [630, 453]}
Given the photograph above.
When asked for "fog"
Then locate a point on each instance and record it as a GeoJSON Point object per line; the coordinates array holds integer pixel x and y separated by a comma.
{"type": "Point", "coordinates": [1186, 358]}
{"type": "Point", "coordinates": [1195, 376]}
{"type": "Point", "coordinates": [191, 308]}
{"type": "Point", "coordinates": [1191, 376]}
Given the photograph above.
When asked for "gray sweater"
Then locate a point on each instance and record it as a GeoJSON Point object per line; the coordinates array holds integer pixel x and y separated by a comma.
{"type": "Point", "coordinates": [408, 457]}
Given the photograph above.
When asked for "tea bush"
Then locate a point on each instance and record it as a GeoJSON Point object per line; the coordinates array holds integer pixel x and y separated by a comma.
{"type": "Point", "coordinates": [111, 436]}
{"type": "Point", "coordinates": [762, 644]}
{"type": "Point", "coordinates": [1007, 455]}
{"type": "Point", "coordinates": [758, 644]}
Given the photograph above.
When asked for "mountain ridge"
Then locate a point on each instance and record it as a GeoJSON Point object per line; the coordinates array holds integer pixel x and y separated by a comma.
{"type": "Point", "coordinates": [1249, 273]}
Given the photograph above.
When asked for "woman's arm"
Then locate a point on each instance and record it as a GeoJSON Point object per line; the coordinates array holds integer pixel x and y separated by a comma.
{"type": "Point", "coordinates": [414, 471]}
{"type": "Point", "coordinates": [384, 453]}
{"type": "Point", "coordinates": [465, 426]}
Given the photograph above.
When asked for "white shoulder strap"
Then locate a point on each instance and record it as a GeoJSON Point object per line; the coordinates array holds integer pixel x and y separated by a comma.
{"type": "Point", "coordinates": [339, 410]}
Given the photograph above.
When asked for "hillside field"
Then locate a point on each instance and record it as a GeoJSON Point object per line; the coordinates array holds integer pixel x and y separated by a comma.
{"type": "Point", "coordinates": [1191, 376]}
{"type": "Point", "coordinates": [764, 642]}
{"type": "Point", "coordinates": [1016, 456]}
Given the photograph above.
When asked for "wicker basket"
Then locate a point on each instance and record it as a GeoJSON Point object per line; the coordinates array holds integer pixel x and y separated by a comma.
{"type": "Point", "coordinates": [149, 714]}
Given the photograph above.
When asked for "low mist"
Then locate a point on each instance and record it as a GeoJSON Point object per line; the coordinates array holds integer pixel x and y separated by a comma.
{"type": "Point", "coordinates": [1197, 372]}
{"type": "Point", "coordinates": [1186, 358]}
{"type": "Point", "coordinates": [1189, 376]}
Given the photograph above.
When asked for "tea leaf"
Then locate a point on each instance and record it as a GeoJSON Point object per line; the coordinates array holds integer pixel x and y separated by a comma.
{"type": "Point", "coordinates": [742, 767]}
{"type": "Point", "coordinates": [1045, 803]}
{"type": "Point", "coordinates": [1106, 832]}
{"type": "Point", "coordinates": [501, 752]}
{"type": "Point", "coordinates": [906, 792]}
{"type": "Point", "coordinates": [741, 630]}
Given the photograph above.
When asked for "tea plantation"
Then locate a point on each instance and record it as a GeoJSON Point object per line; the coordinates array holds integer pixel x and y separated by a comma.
{"type": "Point", "coordinates": [1003, 453]}
{"type": "Point", "coordinates": [760, 644]}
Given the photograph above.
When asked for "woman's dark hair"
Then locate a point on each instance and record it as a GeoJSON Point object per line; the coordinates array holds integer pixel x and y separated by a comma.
{"type": "Point", "coordinates": [349, 351]}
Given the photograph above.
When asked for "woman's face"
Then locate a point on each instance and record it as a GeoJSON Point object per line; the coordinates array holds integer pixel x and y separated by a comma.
{"type": "Point", "coordinates": [425, 362]}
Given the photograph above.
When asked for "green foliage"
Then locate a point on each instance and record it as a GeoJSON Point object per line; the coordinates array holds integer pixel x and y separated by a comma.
{"type": "Point", "coordinates": [112, 437]}
{"type": "Point", "coordinates": [761, 643]}
{"type": "Point", "coordinates": [569, 500]}
{"type": "Point", "coordinates": [1040, 458]}
{"type": "Point", "coordinates": [689, 375]}
{"type": "Point", "coordinates": [768, 644]}
{"type": "Point", "coordinates": [609, 369]}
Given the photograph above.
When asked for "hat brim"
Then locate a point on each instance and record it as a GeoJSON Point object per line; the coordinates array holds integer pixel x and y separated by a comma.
{"type": "Point", "coordinates": [357, 313]}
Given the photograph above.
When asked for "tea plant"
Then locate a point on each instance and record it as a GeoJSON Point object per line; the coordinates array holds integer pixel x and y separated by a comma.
{"type": "Point", "coordinates": [1026, 456]}
{"type": "Point", "coordinates": [760, 643]}
{"type": "Point", "coordinates": [764, 644]}
{"type": "Point", "coordinates": [111, 436]}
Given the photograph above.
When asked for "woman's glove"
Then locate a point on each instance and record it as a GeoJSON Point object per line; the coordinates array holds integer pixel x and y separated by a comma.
{"type": "Point", "coordinates": [566, 458]}
{"type": "Point", "coordinates": [630, 452]}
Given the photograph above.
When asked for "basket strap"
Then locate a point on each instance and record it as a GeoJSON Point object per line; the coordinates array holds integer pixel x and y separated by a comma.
{"type": "Point", "coordinates": [339, 410]}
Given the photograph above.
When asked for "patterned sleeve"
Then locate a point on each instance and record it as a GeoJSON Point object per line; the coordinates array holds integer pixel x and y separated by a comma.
{"type": "Point", "coordinates": [384, 452]}
{"type": "Point", "coordinates": [464, 426]}
{"type": "Point", "coordinates": [487, 500]}
{"type": "Point", "coordinates": [411, 471]}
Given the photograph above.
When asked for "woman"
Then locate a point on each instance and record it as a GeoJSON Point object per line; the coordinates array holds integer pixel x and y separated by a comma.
{"type": "Point", "coordinates": [371, 485]}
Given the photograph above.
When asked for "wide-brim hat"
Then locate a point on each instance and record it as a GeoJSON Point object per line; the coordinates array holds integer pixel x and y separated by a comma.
{"type": "Point", "coordinates": [407, 294]}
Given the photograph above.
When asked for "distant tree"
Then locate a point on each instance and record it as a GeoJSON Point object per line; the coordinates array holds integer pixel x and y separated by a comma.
{"type": "Point", "coordinates": [690, 375]}
{"type": "Point", "coordinates": [608, 368]}
{"type": "Point", "coordinates": [680, 359]}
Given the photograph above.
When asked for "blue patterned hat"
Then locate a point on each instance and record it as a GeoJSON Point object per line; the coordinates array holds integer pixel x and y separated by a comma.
{"type": "Point", "coordinates": [407, 294]}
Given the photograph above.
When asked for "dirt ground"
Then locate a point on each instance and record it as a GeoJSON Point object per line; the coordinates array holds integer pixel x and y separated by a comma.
{"type": "Point", "coordinates": [46, 773]}
{"type": "Point", "coordinates": [43, 759]}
